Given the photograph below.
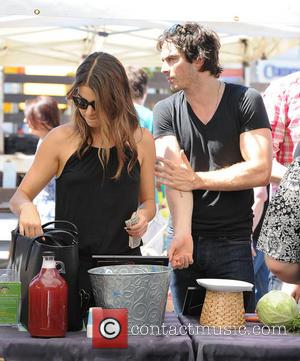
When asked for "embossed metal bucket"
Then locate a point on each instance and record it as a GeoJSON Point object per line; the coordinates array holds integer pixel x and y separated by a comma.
{"type": "Point", "coordinates": [142, 289]}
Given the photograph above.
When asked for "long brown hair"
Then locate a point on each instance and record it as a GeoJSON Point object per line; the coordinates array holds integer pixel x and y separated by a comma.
{"type": "Point", "coordinates": [106, 76]}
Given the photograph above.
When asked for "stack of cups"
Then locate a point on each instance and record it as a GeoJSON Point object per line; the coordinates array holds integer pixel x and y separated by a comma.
{"type": "Point", "coordinates": [89, 326]}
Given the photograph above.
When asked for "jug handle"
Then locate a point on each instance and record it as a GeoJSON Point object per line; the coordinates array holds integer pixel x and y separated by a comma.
{"type": "Point", "coordinates": [61, 269]}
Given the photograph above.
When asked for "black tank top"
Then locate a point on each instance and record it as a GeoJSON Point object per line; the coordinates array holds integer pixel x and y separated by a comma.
{"type": "Point", "coordinates": [97, 204]}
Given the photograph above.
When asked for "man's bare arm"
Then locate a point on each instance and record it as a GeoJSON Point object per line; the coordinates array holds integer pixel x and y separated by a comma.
{"type": "Point", "coordinates": [278, 171]}
{"type": "Point", "coordinates": [181, 207]}
{"type": "Point", "coordinates": [254, 171]}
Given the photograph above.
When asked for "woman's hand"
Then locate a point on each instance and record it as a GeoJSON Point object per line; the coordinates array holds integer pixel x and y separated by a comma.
{"type": "Point", "coordinates": [29, 221]}
{"type": "Point", "coordinates": [139, 229]}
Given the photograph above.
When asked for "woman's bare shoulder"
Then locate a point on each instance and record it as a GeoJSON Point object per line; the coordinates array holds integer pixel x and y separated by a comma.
{"type": "Point", "coordinates": [60, 143]}
{"type": "Point", "coordinates": [142, 137]}
{"type": "Point", "coordinates": [145, 144]}
{"type": "Point", "coordinates": [62, 134]}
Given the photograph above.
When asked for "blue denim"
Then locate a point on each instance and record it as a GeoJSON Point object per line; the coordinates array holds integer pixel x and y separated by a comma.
{"type": "Point", "coordinates": [261, 275]}
{"type": "Point", "coordinates": [274, 282]}
{"type": "Point", "coordinates": [221, 257]}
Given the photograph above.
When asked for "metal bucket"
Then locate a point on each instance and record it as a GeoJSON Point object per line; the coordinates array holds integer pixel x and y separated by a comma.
{"type": "Point", "coordinates": [142, 289]}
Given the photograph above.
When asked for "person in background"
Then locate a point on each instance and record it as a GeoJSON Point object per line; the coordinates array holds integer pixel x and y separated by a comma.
{"type": "Point", "coordinates": [214, 143]}
{"type": "Point", "coordinates": [261, 272]}
{"type": "Point", "coordinates": [41, 116]}
{"type": "Point", "coordinates": [103, 162]}
{"type": "Point", "coordinates": [282, 101]}
{"type": "Point", "coordinates": [280, 238]}
{"type": "Point", "coordinates": [138, 81]}
{"type": "Point", "coordinates": [297, 151]}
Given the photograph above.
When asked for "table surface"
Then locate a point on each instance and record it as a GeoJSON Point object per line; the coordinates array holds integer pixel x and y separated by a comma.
{"type": "Point", "coordinates": [16, 345]}
{"type": "Point", "coordinates": [183, 339]}
{"type": "Point", "coordinates": [251, 343]}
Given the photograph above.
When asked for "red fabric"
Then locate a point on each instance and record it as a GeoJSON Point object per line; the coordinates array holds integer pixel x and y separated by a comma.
{"type": "Point", "coordinates": [282, 101]}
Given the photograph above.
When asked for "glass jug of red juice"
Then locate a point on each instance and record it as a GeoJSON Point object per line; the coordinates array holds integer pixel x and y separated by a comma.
{"type": "Point", "coordinates": [48, 297]}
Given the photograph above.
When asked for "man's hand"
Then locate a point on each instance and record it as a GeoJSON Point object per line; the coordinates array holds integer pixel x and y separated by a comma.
{"type": "Point", "coordinates": [181, 251]}
{"type": "Point", "coordinates": [181, 177]}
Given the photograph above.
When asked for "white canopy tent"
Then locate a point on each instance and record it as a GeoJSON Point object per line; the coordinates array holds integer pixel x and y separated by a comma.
{"type": "Point", "coordinates": [61, 32]}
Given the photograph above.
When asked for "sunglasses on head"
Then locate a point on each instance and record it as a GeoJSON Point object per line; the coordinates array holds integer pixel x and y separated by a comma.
{"type": "Point", "coordinates": [82, 103]}
{"type": "Point", "coordinates": [173, 29]}
{"type": "Point", "coordinates": [178, 29]}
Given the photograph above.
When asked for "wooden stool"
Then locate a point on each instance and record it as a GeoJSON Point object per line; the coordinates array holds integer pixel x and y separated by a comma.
{"type": "Point", "coordinates": [223, 309]}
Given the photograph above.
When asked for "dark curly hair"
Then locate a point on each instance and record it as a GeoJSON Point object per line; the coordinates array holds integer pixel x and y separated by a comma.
{"type": "Point", "coordinates": [195, 41]}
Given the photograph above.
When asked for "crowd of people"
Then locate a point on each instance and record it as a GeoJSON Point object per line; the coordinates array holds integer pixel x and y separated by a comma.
{"type": "Point", "coordinates": [213, 144]}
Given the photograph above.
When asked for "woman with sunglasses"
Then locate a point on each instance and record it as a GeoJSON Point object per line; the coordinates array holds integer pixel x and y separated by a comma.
{"type": "Point", "coordinates": [103, 163]}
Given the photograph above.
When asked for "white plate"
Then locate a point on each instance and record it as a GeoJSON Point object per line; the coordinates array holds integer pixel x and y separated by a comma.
{"type": "Point", "coordinates": [215, 284]}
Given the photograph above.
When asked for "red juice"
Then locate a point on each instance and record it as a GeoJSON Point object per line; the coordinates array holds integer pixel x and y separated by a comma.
{"type": "Point", "coordinates": [48, 291]}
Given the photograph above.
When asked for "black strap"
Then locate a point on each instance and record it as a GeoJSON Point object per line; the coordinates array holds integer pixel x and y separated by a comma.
{"type": "Point", "coordinates": [55, 233]}
{"type": "Point", "coordinates": [51, 235]}
{"type": "Point", "coordinates": [73, 229]}
{"type": "Point", "coordinates": [66, 223]}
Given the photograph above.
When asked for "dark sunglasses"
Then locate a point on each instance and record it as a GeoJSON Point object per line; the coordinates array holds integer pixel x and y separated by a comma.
{"type": "Point", "coordinates": [82, 103]}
